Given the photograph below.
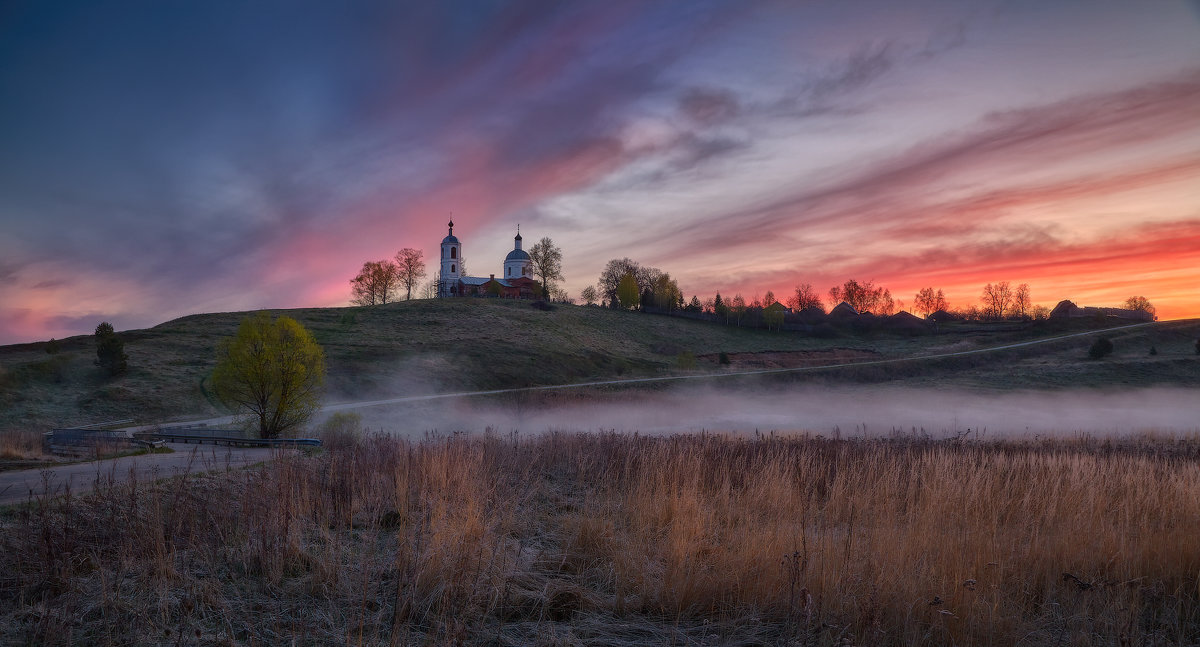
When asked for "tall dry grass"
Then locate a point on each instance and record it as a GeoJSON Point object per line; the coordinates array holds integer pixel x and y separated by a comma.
{"type": "Point", "coordinates": [18, 445]}
{"type": "Point", "coordinates": [626, 539]}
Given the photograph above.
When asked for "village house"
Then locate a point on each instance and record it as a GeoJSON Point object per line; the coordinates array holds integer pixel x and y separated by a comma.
{"type": "Point", "coordinates": [516, 283]}
{"type": "Point", "coordinates": [1068, 310]}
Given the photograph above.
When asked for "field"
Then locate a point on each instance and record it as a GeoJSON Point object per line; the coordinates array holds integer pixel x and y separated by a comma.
{"type": "Point", "coordinates": [798, 536]}
{"type": "Point", "coordinates": [617, 539]}
{"type": "Point", "coordinates": [453, 345]}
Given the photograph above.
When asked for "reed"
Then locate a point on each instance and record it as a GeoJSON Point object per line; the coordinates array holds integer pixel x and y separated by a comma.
{"type": "Point", "coordinates": [626, 539]}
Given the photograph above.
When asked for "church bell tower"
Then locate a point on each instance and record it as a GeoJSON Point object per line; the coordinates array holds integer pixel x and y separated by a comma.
{"type": "Point", "coordinates": [451, 264]}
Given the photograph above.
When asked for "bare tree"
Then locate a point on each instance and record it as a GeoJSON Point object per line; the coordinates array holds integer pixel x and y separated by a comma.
{"type": "Point", "coordinates": [375, 284]}
{"type": "Point", "coordinates": [996, 299]}
{"type": "Point", "coordinates": [547, 263]}
{"type": "Point", "coordinates": [864, 297]}
{"type": "Point", "coordinates": [410, 269]}
{"type": "Point", "coordinates": [805, 297]}
{"type": "Point", "coordinates": [1022, 301]}
{"type": "Point", "coordinates": [1141, 303]}
{"type": "Point", "coordinates": [588, 295]}
{"type": "Point", "coordinates": [928, 302]}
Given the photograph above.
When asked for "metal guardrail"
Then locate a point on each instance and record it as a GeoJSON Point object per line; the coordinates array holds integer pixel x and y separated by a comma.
{"type": "Point", "coordinates": [228, 437]}
{"type": "Point", "coordinates": [81, 442]}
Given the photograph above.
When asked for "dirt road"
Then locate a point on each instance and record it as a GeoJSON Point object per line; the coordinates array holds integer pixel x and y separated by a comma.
{"type": "Point", "coordinates": [19, 486]}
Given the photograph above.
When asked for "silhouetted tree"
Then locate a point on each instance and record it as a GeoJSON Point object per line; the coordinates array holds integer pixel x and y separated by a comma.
{"type": "Point", "coordinates": [110, 350]}
{"type": "Point", "coordinates": [694, 305]}
{"type": "Point", "coordinates": [720, 308]}
{"type": "Point", "coordinates": [863, 297]}
{"type": "Point", "coordinates": [996, 299]}
{"type": "Point", "coordinates": [1102, 347]}
{"type": "Point", "coordinates": [1021, 300]}
{"type": "Point", "coordinates": [805, 297]}
{"type": "Point", "coordinates": [928, 302]}
{"type": "Point", "coordinates": [53, 346]}
{"type": "Point", "coordinates": [1141, 303]}
{"type": "Point", "coordinates": [375, 283]}
{"type": "Point", "coordinates": [546, 258]}
{"type": "Point", "coordinates": [647, 299]}
{"type": "Point", "coordinates": [410, 269]}
{"type": "Point", "coordinates": [737, 308]}
{"type": "Point", "coordinates": [588, 295]}
{"type": "Point", "coordinates": [768, 299]}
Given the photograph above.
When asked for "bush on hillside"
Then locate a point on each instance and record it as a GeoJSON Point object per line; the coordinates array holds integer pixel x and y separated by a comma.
{"type": "Point", "coordinates": [110, 350]}
{"type": "Point", "coordinates": [1100, 348]}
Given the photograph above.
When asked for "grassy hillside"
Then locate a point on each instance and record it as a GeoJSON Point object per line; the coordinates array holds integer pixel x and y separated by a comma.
{"type": "Point", "coordinates": [432, 346]}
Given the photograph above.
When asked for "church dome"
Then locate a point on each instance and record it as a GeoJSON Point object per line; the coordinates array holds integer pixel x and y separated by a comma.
{"type": "Point", "coordinates": [516, 255]}
{"type": "Point", "coordinates": [450, 237]}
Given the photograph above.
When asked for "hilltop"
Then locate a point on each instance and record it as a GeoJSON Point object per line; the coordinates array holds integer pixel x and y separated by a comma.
{"type": "Point", "coordinates": [429, 346]}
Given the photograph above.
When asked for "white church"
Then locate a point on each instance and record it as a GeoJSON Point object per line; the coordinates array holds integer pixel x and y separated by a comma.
{"type": "Point", "coordinates": [516, 282]}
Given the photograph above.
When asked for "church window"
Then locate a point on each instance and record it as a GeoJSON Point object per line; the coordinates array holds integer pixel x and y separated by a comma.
{"type": "Point", "coordinates": [508, 271]}
{"type": "Point", "coordinates": [453, 252]}
{"type": "Point", "coordinates": [452, 270]}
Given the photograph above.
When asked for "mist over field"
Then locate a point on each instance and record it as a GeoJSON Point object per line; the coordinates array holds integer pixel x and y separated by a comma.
{"type": "Point", "coordinates": [848, 411]}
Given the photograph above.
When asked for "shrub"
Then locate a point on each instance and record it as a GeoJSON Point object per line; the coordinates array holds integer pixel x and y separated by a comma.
{"type": "Point", "coordinates": [110, 350]}
{"type": "Point", "coordinates": [1100, 348]}
{"type": "Point", "coordinates": [340, 430]}
{"type": "Point", "coordinates": [53, 346]}
{"type": "Point", "coordinates": [686, 360]}
{"type": "Point", "coordinates": [723, 358]}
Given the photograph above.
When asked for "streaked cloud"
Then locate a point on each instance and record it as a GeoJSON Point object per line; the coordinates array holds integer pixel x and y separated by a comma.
{"type": "Point", "coordinates": [167, 160]}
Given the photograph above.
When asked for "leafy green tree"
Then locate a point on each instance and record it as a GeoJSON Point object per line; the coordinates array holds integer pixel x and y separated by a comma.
{"type": "Point", "coordinates": [546, 258]}
{"type": "Point", "coordinates": [271, 370]}
{"type": "Point", "coordinates": [773, 317]}
{"type": "Point", "coordinates": [110, 350]}
{"type": "Point", "coordinates": [627, 292]}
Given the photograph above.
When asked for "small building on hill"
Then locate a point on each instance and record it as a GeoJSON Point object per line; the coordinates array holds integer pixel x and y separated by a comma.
{"type": "Point", "coordinates": [1068, 310]}
{"type": "Point", "coordinates": [517, 282]}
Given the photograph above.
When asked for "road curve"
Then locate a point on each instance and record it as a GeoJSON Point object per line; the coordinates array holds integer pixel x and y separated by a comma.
{"type": "Point", "coordinates": [19, 486]}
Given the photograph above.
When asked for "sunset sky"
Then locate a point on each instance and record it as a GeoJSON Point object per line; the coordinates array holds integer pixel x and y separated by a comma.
{"type": "Point", "coordinates": [164, 158]}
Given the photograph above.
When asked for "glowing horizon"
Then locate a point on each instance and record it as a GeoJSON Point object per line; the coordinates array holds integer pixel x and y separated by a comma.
{"type": "Point", "coordinates": [163, 161]}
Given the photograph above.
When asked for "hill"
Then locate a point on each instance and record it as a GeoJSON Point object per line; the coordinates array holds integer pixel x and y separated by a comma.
{"type": "Point", "coordinates": [451, 345]}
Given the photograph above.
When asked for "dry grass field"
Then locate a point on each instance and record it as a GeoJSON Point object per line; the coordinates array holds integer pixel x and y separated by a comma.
{"type": "Point", "coordinates": [622, 539]}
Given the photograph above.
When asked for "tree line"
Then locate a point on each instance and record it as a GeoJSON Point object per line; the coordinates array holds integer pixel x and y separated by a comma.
{"type": "Point", "coordinates": [625, 284]}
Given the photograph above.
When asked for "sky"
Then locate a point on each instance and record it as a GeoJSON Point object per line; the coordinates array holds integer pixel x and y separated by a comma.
{"type": "Point", "coordinates": [164, 158]}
